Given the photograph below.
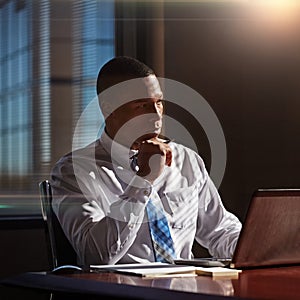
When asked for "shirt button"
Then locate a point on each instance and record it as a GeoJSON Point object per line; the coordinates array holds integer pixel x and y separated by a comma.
{"type": "Point", "coordinates": [130, 226]}
{"type": "Point", "coordinates": [146, 193]}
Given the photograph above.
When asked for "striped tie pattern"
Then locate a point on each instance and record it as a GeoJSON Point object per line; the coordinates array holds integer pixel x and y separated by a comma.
{"type": "Point", "coordinates": [160, 233]}
{"type": "Point", "coordinates": [159, 228]}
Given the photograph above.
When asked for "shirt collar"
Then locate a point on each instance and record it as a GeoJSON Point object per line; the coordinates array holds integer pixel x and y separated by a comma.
{"type": "Point", "coordinates": [119, 153]}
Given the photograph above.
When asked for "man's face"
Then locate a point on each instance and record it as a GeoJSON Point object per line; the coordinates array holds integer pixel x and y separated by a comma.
{"type": "Point", "coordinates": [139, 119]}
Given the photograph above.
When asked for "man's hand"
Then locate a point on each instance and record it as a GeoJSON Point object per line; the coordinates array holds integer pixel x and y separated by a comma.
{"type": "Point", "coordinates": [152, 158]}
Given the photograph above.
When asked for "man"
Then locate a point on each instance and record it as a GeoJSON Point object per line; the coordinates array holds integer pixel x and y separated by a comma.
{"type": "Point", "coordinates": [110, 195]}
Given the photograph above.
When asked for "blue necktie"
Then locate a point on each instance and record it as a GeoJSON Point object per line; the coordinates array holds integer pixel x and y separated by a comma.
{"type": "Point", "coordinates": [160, 233]}
{"type": "Point", "coordinates": [159, 228]}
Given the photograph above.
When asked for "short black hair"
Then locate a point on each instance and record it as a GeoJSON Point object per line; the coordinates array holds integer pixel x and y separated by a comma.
{"type": "Point", "coordinates": [118, 69]}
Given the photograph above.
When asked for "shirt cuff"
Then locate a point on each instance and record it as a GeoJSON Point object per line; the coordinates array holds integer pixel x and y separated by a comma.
{"type": "Point", "coordinates": [138, 190]}
{"type": "Point", "coordinates": [131, 207]}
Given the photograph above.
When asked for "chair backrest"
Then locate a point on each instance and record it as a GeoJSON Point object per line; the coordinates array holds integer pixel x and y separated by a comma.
{"type": "Point", "coordinates": [61, 251]}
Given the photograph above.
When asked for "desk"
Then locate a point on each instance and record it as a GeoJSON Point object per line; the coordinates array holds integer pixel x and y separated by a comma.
{"type": "Point", "coordinates": [272, 283]}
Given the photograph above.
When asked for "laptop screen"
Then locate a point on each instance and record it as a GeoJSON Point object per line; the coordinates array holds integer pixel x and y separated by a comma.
{"type": "Point", "coordinates": [271, 233]}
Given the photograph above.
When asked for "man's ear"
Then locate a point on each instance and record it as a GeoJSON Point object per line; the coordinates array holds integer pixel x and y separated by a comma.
{"type": "Point", "coordinates": [106, 109]}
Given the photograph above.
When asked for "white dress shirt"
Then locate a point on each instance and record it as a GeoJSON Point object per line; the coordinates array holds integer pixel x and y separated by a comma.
{"type": "Point", "coordinates": [100, 203]}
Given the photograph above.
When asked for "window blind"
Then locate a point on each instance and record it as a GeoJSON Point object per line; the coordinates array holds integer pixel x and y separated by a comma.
{"type": "Point", "coordinates": [94, 44]}
{"type": "Point", "coordinates": [26, 102]}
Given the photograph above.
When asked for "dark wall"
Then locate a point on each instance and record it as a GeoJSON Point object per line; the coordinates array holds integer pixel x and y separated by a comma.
{"type": "Point", "coordinates": [245, 61]}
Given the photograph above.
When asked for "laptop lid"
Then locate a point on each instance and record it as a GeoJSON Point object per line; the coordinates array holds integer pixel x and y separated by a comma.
{"type": "Point", "coordinates": [271, 233]}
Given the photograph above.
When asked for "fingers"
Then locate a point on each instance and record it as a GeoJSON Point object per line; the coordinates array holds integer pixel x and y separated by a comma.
{"type": "Point", "coordinates": [152, 157]}
{"type": "Point", "coordinates": [154, 146]}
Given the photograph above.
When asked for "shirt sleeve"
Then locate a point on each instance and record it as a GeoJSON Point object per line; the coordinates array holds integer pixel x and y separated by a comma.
{"type": "Point", "coordinates": [98, 235]}
{"type": "Point", "coordinates": [217, 229]}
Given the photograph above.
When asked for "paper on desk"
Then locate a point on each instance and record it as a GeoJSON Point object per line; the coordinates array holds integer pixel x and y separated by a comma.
{"type": "Point", "coordinates": [148, 270]}
{"type": "Point", "coordinates": [164, 269]}
{"type": "Point", "coordinates": [137, 265]}
{"type": "Point", "coordinates": [159, 271]}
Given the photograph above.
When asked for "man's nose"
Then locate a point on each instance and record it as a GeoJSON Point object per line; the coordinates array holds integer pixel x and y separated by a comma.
{"type": "Point", "coordinates": [154, 109]}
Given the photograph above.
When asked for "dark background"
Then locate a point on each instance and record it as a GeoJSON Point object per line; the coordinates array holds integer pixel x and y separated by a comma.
{"type": "Point", "coordinates": [245, 61]}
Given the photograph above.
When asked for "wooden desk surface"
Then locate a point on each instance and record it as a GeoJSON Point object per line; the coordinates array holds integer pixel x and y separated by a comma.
{"type": "Point", "coordinates": [272, 283]}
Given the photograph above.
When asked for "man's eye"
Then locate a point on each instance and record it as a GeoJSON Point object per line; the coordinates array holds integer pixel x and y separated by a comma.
{"type": "Point", "coordinates": [140, 105]}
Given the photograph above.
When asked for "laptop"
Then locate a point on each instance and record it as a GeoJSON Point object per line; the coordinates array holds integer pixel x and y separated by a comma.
{"type": "Point", "coordinates": [270, 235]}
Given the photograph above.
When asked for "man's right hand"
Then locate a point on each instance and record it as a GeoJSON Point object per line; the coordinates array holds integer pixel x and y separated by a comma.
{"type": "Point", "coordinates": [153, 155]}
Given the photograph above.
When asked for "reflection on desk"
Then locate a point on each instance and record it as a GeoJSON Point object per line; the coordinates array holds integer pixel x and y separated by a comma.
{"type": "Point", "coordinates": [271, 283]}
{"type": "Point", "coordinates": [268, 283]}
{"type": "Point", "coordinates": [198, 284]}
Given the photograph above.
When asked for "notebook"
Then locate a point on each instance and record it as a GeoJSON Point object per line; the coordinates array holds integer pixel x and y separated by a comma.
{"type": "Point", "coordinates": [270, 235]}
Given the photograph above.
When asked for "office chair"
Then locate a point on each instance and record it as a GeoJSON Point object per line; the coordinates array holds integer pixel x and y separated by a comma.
{"type": "Point", "coordinates": [61, 252]}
